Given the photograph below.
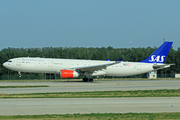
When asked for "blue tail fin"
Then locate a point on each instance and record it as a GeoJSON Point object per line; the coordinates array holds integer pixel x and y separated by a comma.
{"type": "Point", "coordinates": [160, 54]}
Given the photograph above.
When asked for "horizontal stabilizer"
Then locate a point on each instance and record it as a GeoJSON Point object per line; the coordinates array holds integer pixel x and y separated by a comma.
{"type": "Point", "coordinates": [161, 66]}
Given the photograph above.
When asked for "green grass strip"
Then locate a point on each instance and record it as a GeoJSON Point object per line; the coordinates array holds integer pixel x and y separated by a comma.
{"type": "Point", "coordinates": [98, 94]}
{"type": "Point", "coordinates": [23, 86]}
{"type": "Point", "coordinates": [98, 116]}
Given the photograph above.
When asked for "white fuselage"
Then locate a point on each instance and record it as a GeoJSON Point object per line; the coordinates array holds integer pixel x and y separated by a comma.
{"type": "Point", "coordinates": [52, 65]}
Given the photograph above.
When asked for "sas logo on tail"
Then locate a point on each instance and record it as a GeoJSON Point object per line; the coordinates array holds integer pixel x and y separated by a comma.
{"type": "Point", "coordinates": [157, 58]}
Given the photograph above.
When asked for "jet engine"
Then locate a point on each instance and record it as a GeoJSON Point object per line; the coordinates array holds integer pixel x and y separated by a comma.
{"type": "Point", "coordinates": [68, 74]}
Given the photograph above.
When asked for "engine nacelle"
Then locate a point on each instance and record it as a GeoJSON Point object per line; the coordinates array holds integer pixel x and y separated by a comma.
{"type": "Point", "coordinates": [68, 74]}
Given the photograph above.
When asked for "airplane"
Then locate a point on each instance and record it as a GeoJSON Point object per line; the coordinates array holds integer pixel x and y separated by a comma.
{"type": "Point", "coordinates": [73, 68]}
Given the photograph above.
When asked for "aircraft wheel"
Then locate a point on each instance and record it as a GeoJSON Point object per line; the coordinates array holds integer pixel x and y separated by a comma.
{"type": "Point", "coordinates": [90, 80]}
{"type": "Point", "coordinates": [85, 79]}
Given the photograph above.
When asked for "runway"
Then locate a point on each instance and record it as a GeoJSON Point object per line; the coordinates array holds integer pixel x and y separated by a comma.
{"type": "Point", "coordinates": [88, 105]}
{"type": "Point", "coordinates": [33, 106]}
{"type": "Point", "coordinates": [78, 86]}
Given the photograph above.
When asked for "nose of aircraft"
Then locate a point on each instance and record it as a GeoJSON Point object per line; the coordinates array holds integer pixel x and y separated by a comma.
{"type": "Point", "coordinates": [5, 64]}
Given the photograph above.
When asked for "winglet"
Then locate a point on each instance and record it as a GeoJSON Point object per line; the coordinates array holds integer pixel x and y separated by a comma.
{"type": "Point", "coordinates": [119, 61]}
{"type": "Point", "coordinates": [160, 54]}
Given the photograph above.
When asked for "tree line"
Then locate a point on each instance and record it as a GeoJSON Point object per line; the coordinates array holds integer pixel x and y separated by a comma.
{"type": "Point", "coordinates": [103, 53]}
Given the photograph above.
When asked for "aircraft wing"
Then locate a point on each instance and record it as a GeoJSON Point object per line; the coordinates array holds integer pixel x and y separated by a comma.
{"type": "Point", "coordinates": [96, 67]}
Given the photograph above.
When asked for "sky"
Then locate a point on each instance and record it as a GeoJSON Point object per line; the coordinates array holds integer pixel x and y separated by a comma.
{"type": "Point", "coordinates": [88, 23]}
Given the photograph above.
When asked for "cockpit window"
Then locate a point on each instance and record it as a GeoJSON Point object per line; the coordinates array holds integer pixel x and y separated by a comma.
{"type": "Point", "coordinates": [9, 61]}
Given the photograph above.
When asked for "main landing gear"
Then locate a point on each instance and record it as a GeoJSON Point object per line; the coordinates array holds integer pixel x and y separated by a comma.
{"type": "Point", "coordinates": [87, 80]}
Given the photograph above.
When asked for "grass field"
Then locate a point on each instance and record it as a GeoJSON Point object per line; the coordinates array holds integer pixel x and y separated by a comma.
{"type": "Point", "coordinates": [98, 94]}
{"type": "Point", "coordinates": [23, 86]}
{"type": "Point", "coordinates": [98, 116]}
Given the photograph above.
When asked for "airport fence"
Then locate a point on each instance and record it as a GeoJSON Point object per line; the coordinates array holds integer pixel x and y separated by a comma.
{"type": "Point", "coordinates": [52, 76]}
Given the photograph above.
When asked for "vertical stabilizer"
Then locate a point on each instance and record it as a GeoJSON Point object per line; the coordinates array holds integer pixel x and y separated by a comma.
{"type": "Point", "coordinates": [160, 54]}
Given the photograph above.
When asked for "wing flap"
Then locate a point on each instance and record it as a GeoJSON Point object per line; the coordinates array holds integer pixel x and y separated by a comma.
{"type": "Point", "coordinates": [93, 68]}
{"type": "Point", "coordinates": [96, 67]}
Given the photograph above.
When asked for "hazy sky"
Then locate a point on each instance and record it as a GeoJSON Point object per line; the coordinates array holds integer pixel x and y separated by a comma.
{"type": "Point", "coordinates": [88, 23]}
